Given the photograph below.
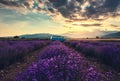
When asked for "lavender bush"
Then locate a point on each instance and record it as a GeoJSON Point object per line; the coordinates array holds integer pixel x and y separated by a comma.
{"type": "Point", "coordinates": [12, 51]}
{"type": "Point", "coordinates": [59, 63]}
{"type": "Point", "coordinates": [107, 52]}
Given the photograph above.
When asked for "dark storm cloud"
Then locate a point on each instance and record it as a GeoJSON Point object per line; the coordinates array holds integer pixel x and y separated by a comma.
{"type": "Point", "coordinates": [111, 5]}
{"type": "Point", "coordinates": [81, 1]}
{"type": "Point", "coordinates": [65, 7]}
{"type": "Point", "coordinates": [9, 3]}
{"type": "Point", "coordinates": [93, 10]}
{"type": "Point", "coordinates": [58, 3]}
{"type": "Point", "coordinates": [103, 7]}
{"type": "Point", "coordinates": [68, 8]}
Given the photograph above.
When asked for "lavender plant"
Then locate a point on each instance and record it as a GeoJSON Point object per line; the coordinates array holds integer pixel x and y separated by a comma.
{"type": "Point", "coordinates": [59, 63]}
{"type": "Point", "coordinates": [12, 51]}
{"type": "Point", "coordinates": [107, 52]}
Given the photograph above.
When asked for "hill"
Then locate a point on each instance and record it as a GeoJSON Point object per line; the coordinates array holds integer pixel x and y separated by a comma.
{"type": "Point", "coordinates": [38, 36]}
{"type": "Point", "coordinates": [112, 35]}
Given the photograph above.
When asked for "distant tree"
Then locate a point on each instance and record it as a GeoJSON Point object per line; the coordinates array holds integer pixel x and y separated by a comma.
{"type": "Point", "coordinates": [101, 37]}
{"type": "Point", "coordinates": [16, 37]}
{"type": "Point", "coordinates": [97, 37]}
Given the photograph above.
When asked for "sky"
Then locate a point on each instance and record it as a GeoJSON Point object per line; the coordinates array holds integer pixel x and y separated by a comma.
{"type": "Point", "coordinates": [73, 18]}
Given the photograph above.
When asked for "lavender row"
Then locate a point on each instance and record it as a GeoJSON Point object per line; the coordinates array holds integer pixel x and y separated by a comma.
{"type": "Point", "coordinates": [107, 52]}
{"type": "Point", "coordinates": [12, 51]}
{"type": "Point", "coordinates": [59, 63]}
{"type": "Point", "coordinates": [95, 43]}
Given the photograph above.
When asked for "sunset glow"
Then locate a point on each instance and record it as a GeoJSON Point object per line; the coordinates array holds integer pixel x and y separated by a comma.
{"type": "Point", "coordinates": [74, 18]}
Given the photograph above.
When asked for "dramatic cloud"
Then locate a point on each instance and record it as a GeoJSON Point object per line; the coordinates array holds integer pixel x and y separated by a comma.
{"type": "Point", "coordinates": [9, 3]}
{"type": "Point", "coordinates": [72, 9]}
{"type": "Point", "coordinates": [80, 17]}
{"type": "Point", "coordinates": [71, 13]}
{"type": "Point", "coordinates": [102, 7]}
{"type": "Point", "coordinates": [86, 8]}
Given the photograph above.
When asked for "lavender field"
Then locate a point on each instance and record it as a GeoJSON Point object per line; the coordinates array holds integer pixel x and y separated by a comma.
{"type": "Point", "coordinates": [45, 60]}
{"type": "Point", "coordinates": [59, 40]}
